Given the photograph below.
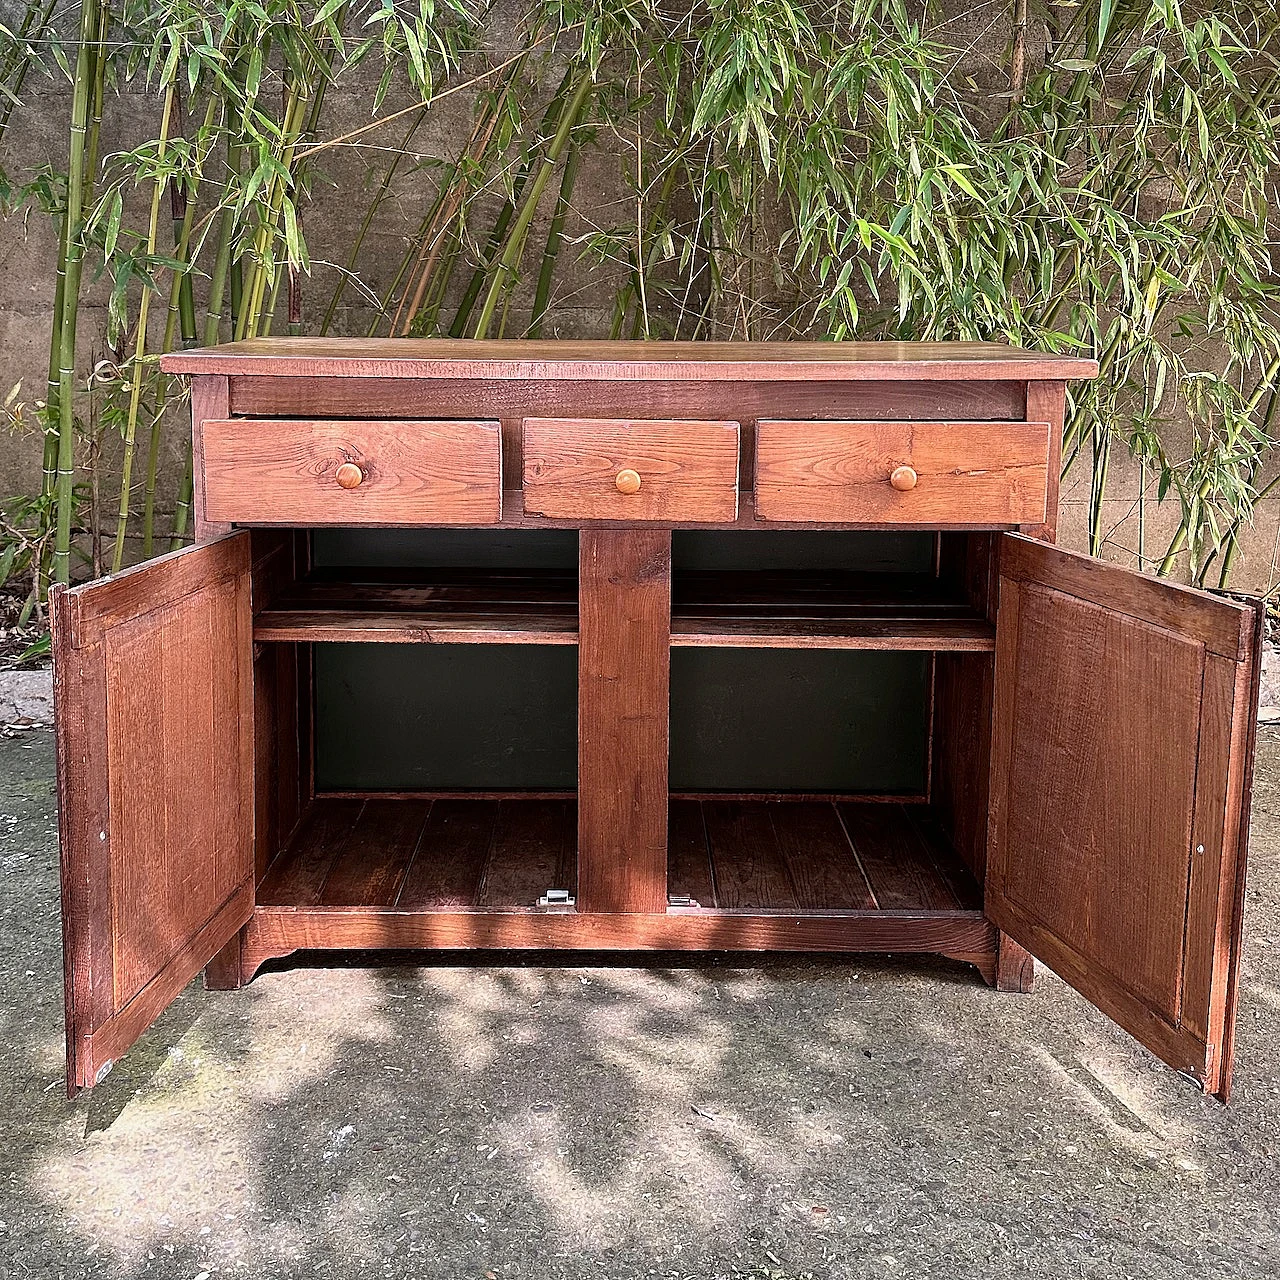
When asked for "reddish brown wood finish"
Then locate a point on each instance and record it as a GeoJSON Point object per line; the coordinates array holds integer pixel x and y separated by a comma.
{"type": "Point", "coordinates": [1047, 402]}
{"type": "Point", "coordinates": [964, 472]}
{"type": "Point", "coordinates": [155, 750]}
{"type": "Point", "coordinates": [1123, 708]}
{"type": "Point", "coordinates": [1118, 767]}
{"type": "Point", "coordinates": [623, 700]}
{"type": "Point", "coordinates": [286, 472]}
{"type": "Point", "coordinates": [210, 399]}
{"type": "Point", "coordinates": [582, 469]}
{"type": "Point", "coordinates": [278, 931]}
{"type": "Point", "coordinates": [642, 361]}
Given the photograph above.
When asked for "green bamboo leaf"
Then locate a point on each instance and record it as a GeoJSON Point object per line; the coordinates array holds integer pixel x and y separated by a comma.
{"type": "Point", "coordinates": [1106, 10]}
{"type": "Point", "coordinates": [113, 224]}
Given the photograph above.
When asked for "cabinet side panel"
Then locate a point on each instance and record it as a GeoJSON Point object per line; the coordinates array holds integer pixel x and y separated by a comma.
{"type": "Point", "coordinates": [963, 685]}
{"type": "Point", "coordinates": [210, 399]}
{"type": "Point", "coordinates": [1047, 402]}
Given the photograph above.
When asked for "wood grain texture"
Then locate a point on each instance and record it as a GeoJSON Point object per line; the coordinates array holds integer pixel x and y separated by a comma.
{"type": "Point", "coordinates": [1110, 803]}
{"type": "Point", "coordinates": [285, 472]}
{"type": "Point", "coordinates": [896, 860]}
{"type": "Point", "coordinates": [155, 734]}
{"type": "Point", "coordinates": [624, 683]}
{"type": "Point", "coordinates": [1015, 966]}
{"type": "Point", "coordinates": [748, 632]}
{"type": "Point", "coordinates": [452, 852]}
{"type": "Point", "coordinates": [699, 361]}
{"type": "Point", "coordinates": [1047, 402]}
{"type": "Point", "coordinates": [435, 607]}
{"type": "Point", "coordinates": [210, 399]}
{"type": "Point", "coordinates": [513, 401]}
{"type": "Point", "coordinates": [962, 701]}
{"type": "Point", "coordinates": [277, 931]}
{"type": "Point", "coordinates": [968, 472]}
{"type": "Point", "coordinates": [1244, 732]}
{"type": "Point", "coordinates": [1222, 626]}
{"type": "Point", "coordinates": [532, 851]}
{"type": "Point", "coordinates": [750, 871]}
{"type": "Point", "coordinates": [371, 866]}
{"type": "Point", "coordinates": [687, 470]}
{"type": "Point", "coordinates": [689, 873]}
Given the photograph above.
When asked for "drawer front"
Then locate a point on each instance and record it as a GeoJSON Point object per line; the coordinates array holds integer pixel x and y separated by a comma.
{"type": "Point", "coordinates": [292, 471]}
{"type": "Point", "coordinates": [927, 473]}
{"type": "Point", "coordinates": [606, 469]}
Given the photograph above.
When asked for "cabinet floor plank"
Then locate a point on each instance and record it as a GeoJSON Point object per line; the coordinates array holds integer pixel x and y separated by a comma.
{"type": "Point", "coordinates": [899, 865]}
{"type": "Point", "coordinates": [728, 856]}
{"type": "Point", "coordinates": [373, 859]}
{"type": "Point", "coordinates": [823, 866]}
{"type": "Point", "coordinates": [449, 862]}
{"type": "Point", "coordinates": [297, 876]}
{"type": "Point", "coordinates": [750, 871]}
{"type": "Point", "coordinates": [534, 849]}
{"type": "Point", "coordinates": [689, 873]}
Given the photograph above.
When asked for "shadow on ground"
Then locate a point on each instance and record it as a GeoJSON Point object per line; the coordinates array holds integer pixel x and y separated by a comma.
{"type": "Point", "coordinates": [802, 1118]}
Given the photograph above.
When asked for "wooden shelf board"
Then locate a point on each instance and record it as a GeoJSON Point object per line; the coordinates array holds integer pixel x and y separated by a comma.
{"type": "Point", "coordinates": [739, 609]}
{"type": "Point", "coordinates": [513, 626]}
{"type": "Point", "coordinates": [746, 632]}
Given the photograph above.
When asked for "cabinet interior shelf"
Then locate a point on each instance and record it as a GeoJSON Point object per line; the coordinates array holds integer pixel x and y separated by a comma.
{"type": "Point", "coordinates": [740, 609]}
{"type": "Point", "coordinates": [726, 856]}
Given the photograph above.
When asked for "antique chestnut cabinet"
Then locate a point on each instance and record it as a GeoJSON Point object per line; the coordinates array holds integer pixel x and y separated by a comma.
{"type": "Point", "coordinates": [647, 646]}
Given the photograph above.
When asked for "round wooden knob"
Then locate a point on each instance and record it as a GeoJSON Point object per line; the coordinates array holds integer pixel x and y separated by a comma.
{"type": "Point", "coordinates": [349, 475]}
{"type": "Point", "coordinates": [627, 481]}
{"type": "Point", "coordinates": [903, 478]}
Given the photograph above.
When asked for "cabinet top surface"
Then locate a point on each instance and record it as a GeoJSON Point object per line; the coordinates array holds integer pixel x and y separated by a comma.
{"type": "Point", "coordinates": [629, 361]}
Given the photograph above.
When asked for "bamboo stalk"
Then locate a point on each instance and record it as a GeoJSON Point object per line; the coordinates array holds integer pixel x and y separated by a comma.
{"type": "Point", "coordinates": [90, 17]}
{"type": "Point", "coordinates": [509, 262]}
{"type": "Point", "coordinates": [140, 347]}
{"type": "Point", "coordinates": [555, 237]}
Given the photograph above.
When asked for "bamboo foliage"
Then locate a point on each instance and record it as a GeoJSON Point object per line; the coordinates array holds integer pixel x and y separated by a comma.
{"type": "Point", "coordinates": [831, 168]}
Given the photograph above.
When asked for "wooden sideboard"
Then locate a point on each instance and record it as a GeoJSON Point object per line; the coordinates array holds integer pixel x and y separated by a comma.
{"type": "Point", "coordinates": [647, 646]}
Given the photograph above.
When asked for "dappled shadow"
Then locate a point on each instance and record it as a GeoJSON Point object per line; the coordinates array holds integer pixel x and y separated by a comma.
{"type": "Point", "coordinates": [697, 1116]}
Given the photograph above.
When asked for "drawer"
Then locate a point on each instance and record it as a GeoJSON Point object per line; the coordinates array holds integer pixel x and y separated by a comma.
{"type": "Point", "coordinates": [606, 469]}
{"type": "Point", "coordinates": [926, 473]}
{"type": "Point", "coordinates": [294, 471]}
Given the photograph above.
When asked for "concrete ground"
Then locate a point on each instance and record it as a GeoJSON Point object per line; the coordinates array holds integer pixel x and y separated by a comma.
{"type": "Point", "coordinates": [825, 1119]}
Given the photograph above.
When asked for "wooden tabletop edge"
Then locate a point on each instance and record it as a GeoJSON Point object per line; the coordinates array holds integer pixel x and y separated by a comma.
{"type": "Point", "coordinates": [516, 359]}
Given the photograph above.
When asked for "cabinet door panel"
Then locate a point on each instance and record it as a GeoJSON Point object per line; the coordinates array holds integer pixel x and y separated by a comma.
{"type": "Point", "coordinates": [1120, 765]}
{"type": "Point", "coordinates": [155, 775]}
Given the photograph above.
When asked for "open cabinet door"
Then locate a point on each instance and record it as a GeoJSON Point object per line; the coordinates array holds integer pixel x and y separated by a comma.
{"type": "Point", "coordinates": [1121, 765]}
{"type": "Point", "coordinates": [153, 692]}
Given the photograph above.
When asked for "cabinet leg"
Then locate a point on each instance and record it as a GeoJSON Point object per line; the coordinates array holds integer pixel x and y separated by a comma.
{"type": "Point", "coordinates": [224, 971]}
{"type": "Point", "coordinates": [1015, 968]}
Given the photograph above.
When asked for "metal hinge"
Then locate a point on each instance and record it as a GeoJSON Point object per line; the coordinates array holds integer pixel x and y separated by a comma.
{"type": "Point", "coordinates": [557, 900]}
{"type": "Point", "coordinates": [682, 900]}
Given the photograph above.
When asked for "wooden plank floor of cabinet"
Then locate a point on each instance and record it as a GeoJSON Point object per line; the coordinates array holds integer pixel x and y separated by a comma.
{"type": "Point", "coordinates": [786, 855]}
{"type": "Point", "coordinates": [744, 875]}
{"type": "Point", "coordinates": [491, 855]}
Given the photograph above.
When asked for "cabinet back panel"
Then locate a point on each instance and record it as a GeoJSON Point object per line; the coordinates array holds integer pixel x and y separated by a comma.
{"type": "Point", "coordinates": [871, 551]}
{"type": "Point", "coordinates": [446, 717]}
{"type": "Point", "coordinates": [806, 720]}
{"type": "Point", "coordinates": [445, 548]}
{"type": "Point", "coordinates": [473, 717]}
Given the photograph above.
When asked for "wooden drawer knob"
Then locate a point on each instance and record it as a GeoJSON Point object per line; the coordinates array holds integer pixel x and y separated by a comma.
{"type": "Point", "coordinates": [903, 478]}
{"type": "Point", "coordinates": [627, 481]}
{"type": "Point", "coordinates": [349, 475]}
